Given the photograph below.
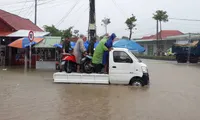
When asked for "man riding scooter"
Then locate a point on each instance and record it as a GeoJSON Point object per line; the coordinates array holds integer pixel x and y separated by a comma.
{"type": "Point", "coordinates": [66, 49]}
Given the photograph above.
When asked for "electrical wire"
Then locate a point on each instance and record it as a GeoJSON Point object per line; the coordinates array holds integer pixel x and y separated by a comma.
{"type": "Point", "coordinates": [28, 13]}
{"type": "Point", "coordinates": [122, 12]}
{"type": "Point", "coordinates": [31, 11]}
{"type": "Point", "coordinates": [47, 2]}
{"type": "Point", "coordinates": [184, 19]}
{"type": "Point", "coordinates": [54, 5]}
{"type": "Point", "coordinates": [22, 7]}
{"type": "Point", "coordinates": [67, 14]}
{"type": "Point", "coordinates": [17, 3]}
{"type": "Point", "coordinates": [80, 17]}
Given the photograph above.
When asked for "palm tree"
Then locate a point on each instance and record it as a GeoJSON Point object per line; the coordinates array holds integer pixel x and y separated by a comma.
{"type": "Point", "coordinates": [130, 22]}
{"type": "Point", "coordinates": [160, 16]}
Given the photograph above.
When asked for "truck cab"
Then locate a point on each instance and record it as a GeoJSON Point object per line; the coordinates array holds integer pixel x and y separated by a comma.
{"type": "Point", "coordinates": [125, 68]}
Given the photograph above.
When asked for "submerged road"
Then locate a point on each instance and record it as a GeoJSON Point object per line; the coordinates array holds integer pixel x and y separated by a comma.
{"type": "Point", "coordinates": [172, 95]}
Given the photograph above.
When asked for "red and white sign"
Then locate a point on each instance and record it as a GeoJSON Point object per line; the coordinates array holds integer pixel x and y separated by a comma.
{"type": "Point", "coordinates": [31, 36]}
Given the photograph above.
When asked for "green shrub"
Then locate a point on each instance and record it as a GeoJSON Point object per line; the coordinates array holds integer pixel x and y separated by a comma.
{"type": "Point", "coordinates": [171, 58]}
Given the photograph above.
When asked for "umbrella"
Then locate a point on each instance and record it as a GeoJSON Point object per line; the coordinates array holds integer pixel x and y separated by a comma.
{"type": "Point", "coordinates": [86, 44]}
{"type": "Point", "coordinates": [24, 42]}
{"type": "Point", "coordinates": [58, 45]}
{"type": "Point", "coordinates": [72, 44]}
{"type": "Point", "coordinates": [129, 44]}
{"type": "Point", "coordinates": [95, 45]}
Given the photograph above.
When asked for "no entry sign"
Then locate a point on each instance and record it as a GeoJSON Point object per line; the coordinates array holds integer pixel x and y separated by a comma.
{"type": "Point", "coordinates": [31, 36]}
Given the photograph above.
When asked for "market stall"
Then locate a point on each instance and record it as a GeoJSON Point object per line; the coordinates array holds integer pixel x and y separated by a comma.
{"type": "Point", "coordinates": [47, 52]}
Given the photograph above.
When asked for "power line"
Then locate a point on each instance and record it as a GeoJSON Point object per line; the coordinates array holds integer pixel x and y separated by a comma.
{"type": "Point", "coordinates": [46, 2]}
{"type": "Point", "coordinates": [184, 19]}
{"type": "Point", "coordinates": [16, 10]}
{"type": "Point", "coordinates": [22, 7]}
{"type": "Point", "coordinates": [58, 24]}
{"type": "Point", "coordinates": [6, 13]}
{"type": "Point", "coordinates": [80, 16]}
{"type": "Point", "coordinates": [17, 3]}
{"type": "Point", "coordinates": [56, 4]}
{"type": "Point", "coordinates": [30, 12]}
{"type": "Point", "coordinates": [122, 12]}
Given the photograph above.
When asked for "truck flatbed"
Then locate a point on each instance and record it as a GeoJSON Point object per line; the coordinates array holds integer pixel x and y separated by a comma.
{"type": "Point", "coordinates": [80, 78]}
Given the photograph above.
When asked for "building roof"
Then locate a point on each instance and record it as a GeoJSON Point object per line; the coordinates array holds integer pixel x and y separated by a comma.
{"type": "Point", "coordinates": [17, 22]}
{"type": "Point", "coordinates": [24, 33]}
{"type": "Point", "coordinates": [48, 42]}
{"type": "Point", "coordinates": [164, 34]}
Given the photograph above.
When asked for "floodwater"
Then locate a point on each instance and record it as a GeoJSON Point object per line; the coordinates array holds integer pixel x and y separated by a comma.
{"type": "Point", "coordinates": [172, 95]}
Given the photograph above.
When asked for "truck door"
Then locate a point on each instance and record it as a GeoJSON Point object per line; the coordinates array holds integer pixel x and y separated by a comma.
{"type": "Point", "coordinates": [121, 68]}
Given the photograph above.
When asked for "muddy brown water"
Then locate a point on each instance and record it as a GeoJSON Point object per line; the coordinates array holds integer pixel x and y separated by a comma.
{"type": "Point", "coordinates": [172, 95]}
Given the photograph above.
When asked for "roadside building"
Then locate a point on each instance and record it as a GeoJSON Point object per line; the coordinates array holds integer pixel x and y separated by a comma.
{"type": "Point", "coordinates": [13, 27]}
{"type": "Point", "coordinates": [166, 38]}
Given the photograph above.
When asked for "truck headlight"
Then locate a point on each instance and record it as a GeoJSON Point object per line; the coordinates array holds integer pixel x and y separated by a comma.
{"type": "Point", "coordinates": [144, 69]}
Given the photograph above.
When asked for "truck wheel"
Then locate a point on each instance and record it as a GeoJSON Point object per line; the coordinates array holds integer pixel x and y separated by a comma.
{"type": "Point", "coordinates": [194, 60]}
{"type": "Point", "coordinates": [181, 60]}
{"type": "Point", "coordinates": [136, 82]}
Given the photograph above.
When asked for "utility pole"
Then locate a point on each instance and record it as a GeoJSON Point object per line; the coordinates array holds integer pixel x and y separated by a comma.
{"type": "Point", "coordinates": [106, 21]}
{"type": "Point", "coordinates": [35, 12]}
{"type": "Point", "coordinates": [92, 26]}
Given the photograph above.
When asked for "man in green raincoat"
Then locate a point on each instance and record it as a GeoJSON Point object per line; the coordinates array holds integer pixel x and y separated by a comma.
{"type": "Point", "coordinates": [98, 54]}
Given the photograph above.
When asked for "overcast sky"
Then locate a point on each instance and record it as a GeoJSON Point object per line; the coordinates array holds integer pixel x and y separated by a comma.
{"type": "Point", "coordinates": [52, 11]}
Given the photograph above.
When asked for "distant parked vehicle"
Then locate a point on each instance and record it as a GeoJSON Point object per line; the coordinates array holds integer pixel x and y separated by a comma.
{"type": "Point", "coordinates": [185, 52]}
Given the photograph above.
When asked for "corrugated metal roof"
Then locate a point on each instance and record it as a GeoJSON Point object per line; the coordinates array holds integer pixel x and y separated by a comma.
{"type": "Point", "coordinates": [164, 34]}
{"type": "Point", "coordinates": [17, 22]}
{"type": "Point", "coordinates": [48, 42]}
{"type": "Point", "coordinates": [24, 33]}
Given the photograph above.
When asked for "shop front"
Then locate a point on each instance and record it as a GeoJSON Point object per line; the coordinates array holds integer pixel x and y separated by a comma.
{"type": "Point", "coordinates": [47, 53]}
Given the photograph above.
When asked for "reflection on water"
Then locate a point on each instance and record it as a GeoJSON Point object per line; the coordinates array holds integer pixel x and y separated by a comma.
{"type": "Point", "coordinates": [34, 96]}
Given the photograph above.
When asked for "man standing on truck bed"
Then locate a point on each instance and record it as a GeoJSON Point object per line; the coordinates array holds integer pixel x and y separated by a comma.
{"type": "Point", "coordinates": [109, 45]}
{"type": "Point", "coordinates": [98, 54]}
{"type": "Point", "coordinates": [79, 50]}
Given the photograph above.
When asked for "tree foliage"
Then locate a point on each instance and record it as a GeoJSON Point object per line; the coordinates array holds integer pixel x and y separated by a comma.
{"type": "Point", "coordinates": [161, 16]}
{"type": "Point", "coordinates": [130, 22]}
{"type": "Point", "coordinates": [56, 32]}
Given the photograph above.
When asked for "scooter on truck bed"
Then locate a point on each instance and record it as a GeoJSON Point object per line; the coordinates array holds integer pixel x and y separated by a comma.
{"type": "Point", "coordinates": [124, 68]}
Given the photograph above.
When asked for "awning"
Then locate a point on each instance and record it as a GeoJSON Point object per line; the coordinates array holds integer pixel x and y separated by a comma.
{"type": "Point", "coordinates": [48, 42]}
{"type": "Point", "coordinates": [24, 42]}
{"type": "Point", "coordinates": [24, 33]}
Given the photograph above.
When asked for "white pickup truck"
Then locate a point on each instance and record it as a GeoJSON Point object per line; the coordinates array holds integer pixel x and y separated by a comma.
{"type": "Point", "coordinates": [124, 68]}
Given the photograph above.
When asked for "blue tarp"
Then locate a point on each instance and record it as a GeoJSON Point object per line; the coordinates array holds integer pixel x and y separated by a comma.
{"type": "Point", "coordinates": [129, 44]}
{"type": "Point", "coordinates": [86, 44]}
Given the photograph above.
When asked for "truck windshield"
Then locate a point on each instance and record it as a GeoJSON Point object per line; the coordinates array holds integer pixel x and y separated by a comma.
{"type": "Point", "coordinates": [134, 56]}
